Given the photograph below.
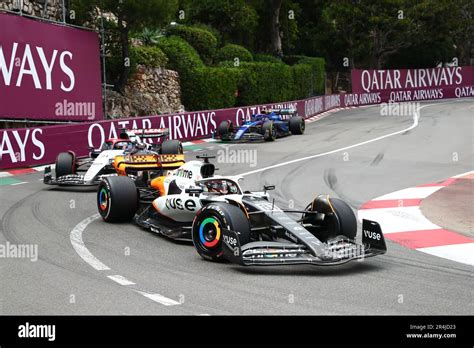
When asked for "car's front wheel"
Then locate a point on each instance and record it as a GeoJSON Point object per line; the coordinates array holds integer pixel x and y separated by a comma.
{"type": "Point", "coordinates": [117, 198]}
{"type": "Point", "coordinates": [331, 217]}
{"type": "Point", "coordinates": [269, 131]}
{"type": "Point", "coordinates": [225, 129]}
{"type": "Point", "coordinates": [65, 164]}
{"type": "Point", "coordinates": [208, 224]}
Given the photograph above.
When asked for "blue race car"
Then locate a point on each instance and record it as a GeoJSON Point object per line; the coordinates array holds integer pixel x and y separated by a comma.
{"type": "Point", "coordinates": [268, 125]}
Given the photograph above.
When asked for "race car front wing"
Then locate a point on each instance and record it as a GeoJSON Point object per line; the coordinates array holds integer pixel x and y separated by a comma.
{"type": "Point", "coordinates": [71, 179]}
{"type": "Point", "coordinates": [335, 252]}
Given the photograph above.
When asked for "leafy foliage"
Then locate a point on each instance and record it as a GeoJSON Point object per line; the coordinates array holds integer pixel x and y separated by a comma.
{"type": "Point", "coordinates": [149, 36]}
{"type": "Point", "coordinates": [260, 57]}
{"type": "Point", "coordinates": [148, 55]}
{"type": "Point", "coordinates": [346, 34]}
{"type": "Point", "coordinates": [182, 57]}
{"type": "Point", "coordinates": [201, 39]}
{"type": "Point", "coordinates": [236, 20]}
{"type": "Point", "coordinates": [302, 81]}
{"type": "Point", "coordinates": [212, 88]}
{"type": "Point", "coordinates": [230, 52]}
{"type": "Point", "coordinates": [265, 82]}
{"type": "Point", "coordinates": [317, 72]}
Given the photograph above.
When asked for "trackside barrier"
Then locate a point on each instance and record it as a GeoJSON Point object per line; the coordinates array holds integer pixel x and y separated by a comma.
{"type": "Point", "coordinates": [40, 145]}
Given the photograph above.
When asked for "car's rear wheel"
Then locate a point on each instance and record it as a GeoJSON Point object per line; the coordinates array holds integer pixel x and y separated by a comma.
{"type": "Point", "coordinates": [208, 224]}
{"type": "Point", "coordinates": [117, 198]}
{"type": "Point", "coordinates": [225, 128]}
{"type": "Point", "coordinates": [337, 220]}
{"type": "Point", "coordinates": [296, 125]}
{"type": "Point", "coordinates": [65, 164]}
{"type": "Point", "coordinates": [269, 131]}
{"type": "Point", "coordinates": [171, 147]}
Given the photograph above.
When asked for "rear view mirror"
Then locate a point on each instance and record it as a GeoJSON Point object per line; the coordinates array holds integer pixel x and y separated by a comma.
{"type": "Point", "coordinates": [194, 190]}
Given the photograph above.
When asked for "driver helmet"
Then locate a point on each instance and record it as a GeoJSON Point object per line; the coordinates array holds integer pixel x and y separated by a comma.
{"type": "Point", "coordinates": [218, 187]}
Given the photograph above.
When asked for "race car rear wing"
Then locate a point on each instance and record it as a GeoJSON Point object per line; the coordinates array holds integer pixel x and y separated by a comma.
{"type": "Point", "coordinates": [145, 162]}
{"type": "Point", "coordinates": [286, 111]}
{"type": "Point", "coordinates": [339, 251]}
{"type": "Point", "coordinates": [149, 133]}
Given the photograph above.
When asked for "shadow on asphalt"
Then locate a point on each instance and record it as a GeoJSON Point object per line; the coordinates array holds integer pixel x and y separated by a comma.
{"type": "Point", "coordinates": [84, 189]}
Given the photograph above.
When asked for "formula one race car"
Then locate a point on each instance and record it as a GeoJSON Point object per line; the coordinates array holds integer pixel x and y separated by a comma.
{"type": "Point", "coordinates": [267, 126]}
{"type": "Point", "coordinates": [71, 170]}
{"type": "Point", "coordinates": [224, 222]}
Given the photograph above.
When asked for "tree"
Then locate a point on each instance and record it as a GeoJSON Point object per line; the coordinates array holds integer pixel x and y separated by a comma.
{"type": "Point", "coordinates": [234, 19]}
{"type": "Point", "coordinates": [131, 16]}
{"type": "Point", "coordinates": [136, 15]}
{"type": "Point", "coordinates": [275, 37]}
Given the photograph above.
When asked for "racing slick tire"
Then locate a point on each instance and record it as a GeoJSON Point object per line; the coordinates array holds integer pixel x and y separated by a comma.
{"type": "Point", "coordinates": [207, 225]}
{"type": "Point", "coordinates": [171, 147]}
{"type": "Point", "coordinates": [296, 125]}
{"type": "Point", "coordinates": [341, 222]}
{"type": "Point", "coordinates": [225, 128]}
{"type": "Point", "coordinates": [65, 163]}
{"type": "Point", "coordinates": [117, 198]}
{"type": "Point", "coordinates": [269, 131]}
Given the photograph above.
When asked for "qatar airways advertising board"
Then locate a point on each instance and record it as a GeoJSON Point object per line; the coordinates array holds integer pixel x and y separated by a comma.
{"type": "Point", "coordinates": [48, 71]}
{"type": "Point", "coordinates": [409, 85]}
{"type": "Point", "coordinates": [40, 145]}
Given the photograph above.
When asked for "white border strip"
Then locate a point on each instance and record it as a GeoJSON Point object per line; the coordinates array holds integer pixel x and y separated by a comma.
{"type": "Point", "coordinates": [79, 246]}
{"type": "Point", "coordinates": [120, 279]}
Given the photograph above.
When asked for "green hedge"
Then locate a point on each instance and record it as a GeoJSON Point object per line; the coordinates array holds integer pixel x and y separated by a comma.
{"type": "Point", "coordinates": [266, 82]}
{"type": "Point", "coordinates": [263, 82]}
{"type": "Point", "coordinates": [202, 40]}
{"type": "Point", "coordinates": [257, 82]}
{"type": "Point", "coordinates": [182, 57]}
{"type": "Point", "coordinates": [230, 52]}
{"type": "Point", "coordinates": [318, 67]}
{"type": "Point", "coordinates": [147, 55]}
{"type": "Point", "coordinates": [212, 88]}
{"type": "Point", "coordinates": [302, 84]}
{"type": "Point", "coordinates": [260, 57]}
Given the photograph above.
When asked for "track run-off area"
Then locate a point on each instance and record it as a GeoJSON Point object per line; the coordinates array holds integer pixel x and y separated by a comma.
{"type": "Point", "coordinates": [85, 266]}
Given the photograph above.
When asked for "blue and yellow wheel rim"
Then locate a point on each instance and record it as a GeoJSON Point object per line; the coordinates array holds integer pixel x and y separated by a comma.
{"type": "Point", "coordinates": [209, 232]}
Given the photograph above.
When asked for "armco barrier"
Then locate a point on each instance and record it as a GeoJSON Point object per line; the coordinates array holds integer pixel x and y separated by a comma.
{"type": "Point", "coordinates": [40, 145]}
{"type": "Point", "coordinates": [36, 146]}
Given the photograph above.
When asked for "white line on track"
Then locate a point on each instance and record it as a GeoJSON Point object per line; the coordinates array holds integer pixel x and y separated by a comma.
{"type": "Point", "coordinates": [414, 125]}
{"type": "Point", "coordinates": [19, 183]}
{"type": "Point", "coordinates": [463, 174]}
{"type": "Point", "coordinates": [120, 279]}
{"type": "Point", "coordinates": [159, 298]}
{"type": "Point", "coordinates": [79, 246]}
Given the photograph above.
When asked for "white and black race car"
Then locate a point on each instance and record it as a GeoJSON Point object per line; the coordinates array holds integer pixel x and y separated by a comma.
{"type": "Point", "coordinates": [225, 222]}
{"type": "Point", "coordinates": [70, 170]}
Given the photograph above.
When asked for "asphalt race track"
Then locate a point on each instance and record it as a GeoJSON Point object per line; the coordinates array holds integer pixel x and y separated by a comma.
{"type": "Point", "coordinates": [154, 275]}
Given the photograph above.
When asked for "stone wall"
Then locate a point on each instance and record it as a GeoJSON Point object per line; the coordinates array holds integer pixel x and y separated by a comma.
{"type": "Point", "coordinates": [151, 91]}
{"type": "Point", "coordinates": [53, 10]}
